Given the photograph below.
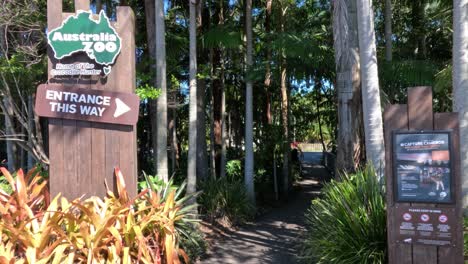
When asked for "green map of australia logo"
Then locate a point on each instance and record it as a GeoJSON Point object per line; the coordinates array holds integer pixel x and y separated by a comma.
{"type": "Point", "coordinates": [81, 33]}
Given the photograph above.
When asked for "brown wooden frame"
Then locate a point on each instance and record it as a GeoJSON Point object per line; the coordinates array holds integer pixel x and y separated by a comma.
{"type": "Point", "coordinates": [83, 154]}
{"type": "Point", "coordinates": [415, 116]}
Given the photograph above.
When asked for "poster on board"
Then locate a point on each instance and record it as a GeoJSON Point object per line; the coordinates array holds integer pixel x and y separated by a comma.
{"type": "Point", "coordinates": [422, 167]}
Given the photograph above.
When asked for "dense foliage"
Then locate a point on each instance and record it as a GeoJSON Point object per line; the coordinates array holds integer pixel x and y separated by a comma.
{"type": "Point", "coordinates": [225, 199]}
{"type": "Point", "coordinates": [116, 229]}
{"type": "Point", "coordinates": [348, 224]}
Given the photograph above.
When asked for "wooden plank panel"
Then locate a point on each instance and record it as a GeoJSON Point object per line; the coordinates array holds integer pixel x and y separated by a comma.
{"type": "Point", "coordinates": [105, 149]}
{"type": "Point", "coordinates": [127, 83]}
{"type": "Point", "coordinates": [70, 147]}
{"type": "Point", "coordinates": [395, 118]}
{"type": "Point", "coordinates": [87, 153]}
{"type": "Point", "coordinates": [449, 255]}
{"type": "Point", "coordinates": [112, 154]}
{"type": "Point", "coordinates": [77, 151]}
{"type": "Point", "coordinates": [424, 254]}
{"type": "Point", "coordinates": [56, 168]}
{"type": "Point", "coordinates": [420, 116]}
{"type": "Point", "coordinates": [98, 154]}
{"type": "Point", "coordinates": [54, 20]}
{"type": "Point", "coordinates": [55, 156]}
{"type": "Point", "coordinates": [112, 142]}
{"type": "Point", "coordinates": [84, 165]}
{"type": "Point", "coordinates": [82, 5]}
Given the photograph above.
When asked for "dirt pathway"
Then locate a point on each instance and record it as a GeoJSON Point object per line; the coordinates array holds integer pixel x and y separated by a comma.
{"type": "Point", "coordinates": [274, 237]}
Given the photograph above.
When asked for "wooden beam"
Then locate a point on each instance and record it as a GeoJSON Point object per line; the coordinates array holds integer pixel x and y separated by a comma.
{"type": "Point", "coordinates": [82, 5]}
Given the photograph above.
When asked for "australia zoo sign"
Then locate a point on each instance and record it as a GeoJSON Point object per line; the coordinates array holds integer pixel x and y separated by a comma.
{"type": "Point", "coordinates": [81, 33]}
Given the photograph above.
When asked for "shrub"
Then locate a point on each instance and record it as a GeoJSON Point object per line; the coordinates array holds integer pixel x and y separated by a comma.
{"type": "Point", "coordinates": [234, 170]}
{"type": "Point", "coordinates": [115, 229]}
{"type": "Point", "coordinates": [348, 224]}
{"type": "Point", "coordinates": [189, 235]}
{"type": "Point", "coordinates": [225, 198]}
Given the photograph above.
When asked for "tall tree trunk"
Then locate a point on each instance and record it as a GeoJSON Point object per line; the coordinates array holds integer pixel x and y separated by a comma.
{"type": "Point", "coordinates": [192, 152]}
{"type": "Point", "coordinates": [222, 159]}
{"type": "Point", "coordinates": [373, 126]}
{"type": "Point", "coordinates": [267, 81]}
{"type": "Point", "coordinates": [222, 169]}
{"type": "Point", "coordinates": [202, 159]}
{"type": "Point", "coordinates": [249, 155]}
{"type": "Point", "coordinates": [151, 40]}
{"type": "Point", "coordinates": [99, 6]}
{"type": "Point", "coordinates": [318, 87]}
{"type": "Point", "coordinates": [419, 31]}
{"type": "Point", "coordinates": [388, 30]}
{"type": "Point", "coordinates": [218, 91]}
{"type": "Point", "coordinates": [161, 152]}
{"type": "Point", "coordinates": [285, 113]}
{"type": "Point", "coordinates": [345, 34]}
{"type": "Point", "coordinates": [229, 132]}
{"type": "Point", "coordinates": [172, 116]}
{"type": "Point", "coordinates": [213, 163]}
{"type": "Point", "coordinates": [217, 88]}
{"type": "Point", "coordinates": [460, 86]}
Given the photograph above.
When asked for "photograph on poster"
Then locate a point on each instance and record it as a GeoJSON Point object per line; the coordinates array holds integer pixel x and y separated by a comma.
{"type": "Point", "coordinates": [422, 167]}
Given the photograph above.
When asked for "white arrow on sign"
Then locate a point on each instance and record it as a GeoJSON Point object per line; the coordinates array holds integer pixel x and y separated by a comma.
{"type": "Point", "coordinates": [121, 108]}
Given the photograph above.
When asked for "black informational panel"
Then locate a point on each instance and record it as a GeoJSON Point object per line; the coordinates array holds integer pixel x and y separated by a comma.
{"type": "Point", "coordinates": [423, 167]}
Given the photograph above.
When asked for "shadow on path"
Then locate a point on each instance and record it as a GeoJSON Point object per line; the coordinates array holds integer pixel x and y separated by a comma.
{"type": "Point", "coordinates": [276, 236]}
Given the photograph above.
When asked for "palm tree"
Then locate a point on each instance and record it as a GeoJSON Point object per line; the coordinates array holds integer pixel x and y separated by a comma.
{"type": "Point", "coordinates": [373, 126]}
{"type": "Point", "coordinates": [202, 158]}
{"type": "Point", "coordinates": [284, 107]}
{"type": "Point", "coordinates": [150, 10]}
{"type": "Point", "coordinates": [192, 152]}
{"type": "Point", "coordinates": [460, 84]}
{"type": "Point", "coordinates": [161, 115]}
{"type": "Point", "coordinates": [267, 81]}
{"type": "Point", "coordinates": [348, 85]}
{"type": "Point", "coordinates": [249, 157]}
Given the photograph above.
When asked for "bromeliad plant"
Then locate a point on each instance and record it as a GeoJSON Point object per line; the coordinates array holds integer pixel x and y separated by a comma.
{"type": "Point", "coordinates": [187, 227]}
{"type": "Point", "coordinates": [116, 229]}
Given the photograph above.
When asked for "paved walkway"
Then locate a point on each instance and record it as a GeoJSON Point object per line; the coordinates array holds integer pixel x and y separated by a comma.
{"type": "Point", "coordinates": [276, 236]}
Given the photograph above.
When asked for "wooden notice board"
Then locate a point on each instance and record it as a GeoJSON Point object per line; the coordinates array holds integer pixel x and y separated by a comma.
{"type": "Point", "coordinates": [423, 232]}
{"type": "Point", "coordinates": [83, 154]}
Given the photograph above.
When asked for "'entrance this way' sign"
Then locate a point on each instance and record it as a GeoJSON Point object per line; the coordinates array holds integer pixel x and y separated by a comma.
{"type": "Point", "coordinates": [58, 101]}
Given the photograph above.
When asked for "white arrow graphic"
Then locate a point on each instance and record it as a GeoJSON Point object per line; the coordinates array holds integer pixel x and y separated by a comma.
{"type": "Point", "coordinates": [121, 108]}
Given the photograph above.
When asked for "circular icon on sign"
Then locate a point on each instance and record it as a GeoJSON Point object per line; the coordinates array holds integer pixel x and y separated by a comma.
{"type": "Point", "coordinates": [425, 217]}
{"type": "Point", "coordinates": [443, 218]}
{"type": "Point", "coordinates": [407, 216]}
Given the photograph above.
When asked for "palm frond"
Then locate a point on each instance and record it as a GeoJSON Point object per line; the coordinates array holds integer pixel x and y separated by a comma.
{"type": "Point", "coordinates": [222, 36]}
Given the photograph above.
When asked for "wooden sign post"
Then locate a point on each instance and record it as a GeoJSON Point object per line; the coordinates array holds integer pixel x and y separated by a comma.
{"type": "Point", "coordinates": [424, 216]}
{"type": "Point", "coordinates": [83, 154]}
